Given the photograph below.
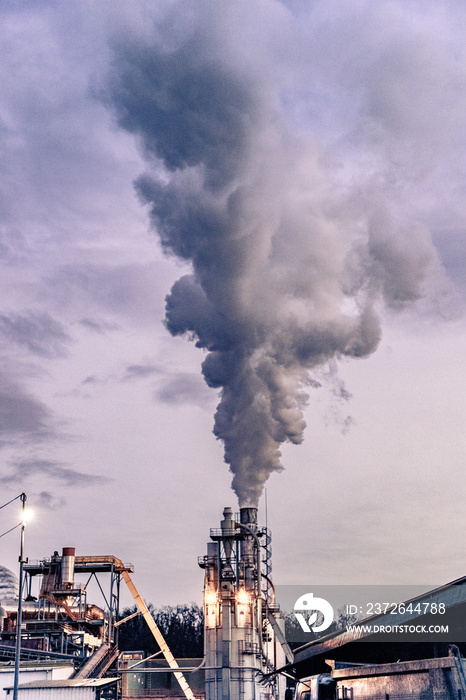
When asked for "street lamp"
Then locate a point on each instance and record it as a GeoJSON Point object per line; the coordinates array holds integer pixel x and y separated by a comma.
{"type": "Point", "coordinates": [22, 561]}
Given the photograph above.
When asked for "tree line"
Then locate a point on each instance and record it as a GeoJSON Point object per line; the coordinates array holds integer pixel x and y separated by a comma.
{"type": "Point", "coordinates": [183, 629]}
{"type": "Point", "coordinates": [181, 625]}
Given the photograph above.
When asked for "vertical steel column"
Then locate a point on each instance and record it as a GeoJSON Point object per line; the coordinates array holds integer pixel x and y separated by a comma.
{"type": "Point", "coordinates": [117, 608]}
{"type": "Point", "coordinates": [226, 644]}
{"type": "Point", "coordinates": [110, 617]}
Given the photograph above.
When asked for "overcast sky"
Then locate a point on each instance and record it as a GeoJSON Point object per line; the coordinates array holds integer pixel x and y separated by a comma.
{"type": "Point", "coordinates": [274, 191]}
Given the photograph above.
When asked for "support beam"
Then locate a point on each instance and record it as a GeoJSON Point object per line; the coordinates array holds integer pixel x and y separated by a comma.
{"type": "Point", "coordinates": [158, 636]}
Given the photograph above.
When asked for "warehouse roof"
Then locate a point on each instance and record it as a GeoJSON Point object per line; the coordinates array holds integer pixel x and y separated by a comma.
{"type": "Point", "coordinates": [370, 646]}
{"type": "Point", "coordinates": [69, 683]}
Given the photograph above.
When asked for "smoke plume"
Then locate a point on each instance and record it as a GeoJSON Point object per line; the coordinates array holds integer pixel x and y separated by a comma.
{"type": "Point", "coordinates": [291, 252]}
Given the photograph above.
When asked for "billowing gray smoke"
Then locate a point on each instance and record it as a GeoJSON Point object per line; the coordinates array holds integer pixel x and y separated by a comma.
{"type": "Point", "coordinates": [286, 267]}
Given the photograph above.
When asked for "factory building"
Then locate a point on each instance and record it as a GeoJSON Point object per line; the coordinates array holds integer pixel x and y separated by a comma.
{"type": "Point", "coordinates": [69, 646]}
{"type": "Point", "coordinates": [152, 678]}
{"type": "Point", "coordinates": [71, 689]}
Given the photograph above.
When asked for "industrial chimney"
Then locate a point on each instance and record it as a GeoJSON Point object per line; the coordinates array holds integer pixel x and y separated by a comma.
{"type": "Point", "coordinates": [243, 626]}
{"type": "Point", "coordinates": [67, 568]}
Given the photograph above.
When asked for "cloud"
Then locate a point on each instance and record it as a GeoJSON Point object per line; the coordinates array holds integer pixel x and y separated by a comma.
{"type": "Point", "coordinates": [57, 471]}
{"type": "Point", "coordinates": [127, 290]}
{"type": "Point", "coordinates": [91, 379]}
{"type": "Point", "coordinates": [48, 501]}
{"type": "Point", "coordinates": [141, 371]}
{"type": "Point", "coordinates": [22, 415]}
{"type": "Point", "coordinates": [97, 325]}
{"type": "Point", "coordinates": [184, 388]}
{"type": "Point", "coordinates": [451, 249]}
{"type": "Point", "coordinates": [38, 332]}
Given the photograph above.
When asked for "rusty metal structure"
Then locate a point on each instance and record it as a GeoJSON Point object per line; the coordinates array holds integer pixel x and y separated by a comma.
{"type": "Point", "coordinates": [59, 623]}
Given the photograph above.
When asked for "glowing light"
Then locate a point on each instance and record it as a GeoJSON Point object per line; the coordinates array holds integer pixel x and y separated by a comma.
{"type": "Point", "coordinates": [210, 600]}
{"type": "Point", "coordinates": [210, 597]}
{"type": "Point", "coordinates": [243, 600]}
{"type": "Point", "coordinates": [28, 515]}
{"type": "Point", "coordinates": [243, 597]}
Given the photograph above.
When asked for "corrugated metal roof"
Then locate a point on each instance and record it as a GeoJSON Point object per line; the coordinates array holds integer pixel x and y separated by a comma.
{"type": "Point", "coordinates": [36, 665]}
{"type": "Point", "coordinates": [70, 683]}
{"type": "Point", "coordinates": [452, 595]}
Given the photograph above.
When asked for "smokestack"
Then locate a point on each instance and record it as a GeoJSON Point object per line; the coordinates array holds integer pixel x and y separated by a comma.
{"type": "Point", "coordinates": [67, 567]}
{"type": "Point", "coordinates": [248, 516]}
{"type": "Point", "coordinates": [239, 633]}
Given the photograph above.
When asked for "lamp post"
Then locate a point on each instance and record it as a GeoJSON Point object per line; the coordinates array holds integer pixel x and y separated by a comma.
{"type": "Point", "coordinates": [22, 561]}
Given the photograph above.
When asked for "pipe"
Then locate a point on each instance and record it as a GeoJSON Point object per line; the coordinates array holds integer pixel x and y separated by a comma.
{"type": "Point", "coordinates": [228, 529]}
{"type": "Point", "coordinates": [259, 574]}
{"type": "Point", "coordinates": [22, 561]}
{"type": "Point", "coordinates": [248, 516]}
